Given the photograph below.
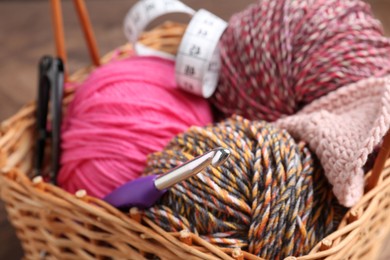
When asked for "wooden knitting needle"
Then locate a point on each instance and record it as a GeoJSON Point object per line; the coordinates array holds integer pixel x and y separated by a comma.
{"type": "Point", "coordinates": [87, 29]}
{"type": "Point", "coordinates": [58, 28]}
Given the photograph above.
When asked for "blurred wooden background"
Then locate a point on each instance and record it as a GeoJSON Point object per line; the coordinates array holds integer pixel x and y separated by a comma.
{"type": "Point", "coordinates": [25, 35]}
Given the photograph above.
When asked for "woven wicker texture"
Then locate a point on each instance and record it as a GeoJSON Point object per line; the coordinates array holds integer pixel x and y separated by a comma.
{"type": "Point", "coordinates": [53, 224]}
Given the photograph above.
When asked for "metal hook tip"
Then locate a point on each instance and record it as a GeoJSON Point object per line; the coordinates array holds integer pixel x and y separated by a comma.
{"type": "Point", "coordinates": [220, 156]}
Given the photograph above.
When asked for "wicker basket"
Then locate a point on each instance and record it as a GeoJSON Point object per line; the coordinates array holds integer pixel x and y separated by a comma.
{"type": "Point", "coordinates": [54, 224]}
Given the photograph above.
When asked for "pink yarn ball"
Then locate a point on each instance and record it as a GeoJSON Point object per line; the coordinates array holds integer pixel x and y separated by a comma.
{"type": "Point", "coordinates": [121, 113]}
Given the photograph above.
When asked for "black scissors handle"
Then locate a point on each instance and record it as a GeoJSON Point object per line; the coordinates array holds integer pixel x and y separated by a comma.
{"type": "Point", "coordinates": [50, 90]}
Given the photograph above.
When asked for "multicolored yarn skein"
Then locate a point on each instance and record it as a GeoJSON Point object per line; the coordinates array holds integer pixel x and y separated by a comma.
{"type": "Point", "coordinates": [125, 110]}
{"type": "Point", "coordinates": [270, 198]}
{"type": "Point", "coordinates": [279, 55]}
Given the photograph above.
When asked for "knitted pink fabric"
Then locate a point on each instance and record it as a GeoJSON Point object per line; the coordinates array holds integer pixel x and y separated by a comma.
{"type": "Point", "coordinates": [343, 128]}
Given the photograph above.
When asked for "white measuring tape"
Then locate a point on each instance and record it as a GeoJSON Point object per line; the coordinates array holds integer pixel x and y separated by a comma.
{"type": "Point", "coordinates": [197, 61]}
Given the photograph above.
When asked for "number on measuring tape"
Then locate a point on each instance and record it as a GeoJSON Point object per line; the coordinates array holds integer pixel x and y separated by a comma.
{"type": "Point", "coordinates": [195, 50]}
{"type": "Point", "coordinates": [202, 33]}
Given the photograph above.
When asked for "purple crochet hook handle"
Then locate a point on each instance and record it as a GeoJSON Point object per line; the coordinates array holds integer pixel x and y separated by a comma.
{"type": "Point", "coordinates": [145, 191]}
{"type": "Point", "coordinates": [140, 193]}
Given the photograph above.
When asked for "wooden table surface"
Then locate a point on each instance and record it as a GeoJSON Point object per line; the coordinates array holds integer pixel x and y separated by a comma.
{"type": "Point", "coordinates": [25, 35]}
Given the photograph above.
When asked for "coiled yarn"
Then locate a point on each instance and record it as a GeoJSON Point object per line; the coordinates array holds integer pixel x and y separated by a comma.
{"type": "Point", "coordinates": [270, 198]}
{"type": "Point", "coordinates": [121, 113]}
{"type": "Point", "coordinates": [279, 55]}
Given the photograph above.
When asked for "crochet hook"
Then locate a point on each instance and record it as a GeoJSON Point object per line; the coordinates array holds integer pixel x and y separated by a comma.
{"type": "Point", "coordinates": [145, 191]}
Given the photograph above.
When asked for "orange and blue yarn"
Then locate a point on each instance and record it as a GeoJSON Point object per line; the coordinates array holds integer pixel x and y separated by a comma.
{"type": "Point", "coordinates": [270, 198]}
